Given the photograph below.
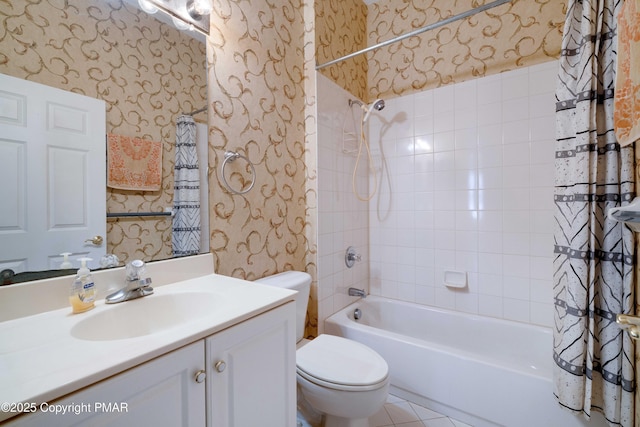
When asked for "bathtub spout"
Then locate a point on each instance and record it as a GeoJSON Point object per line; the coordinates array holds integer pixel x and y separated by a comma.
{"type": "Point", "coordinates": [355, 292]}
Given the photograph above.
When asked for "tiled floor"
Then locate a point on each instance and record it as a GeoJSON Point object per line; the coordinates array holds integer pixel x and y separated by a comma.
{"type": "Point", "coordinates": [398, 412]}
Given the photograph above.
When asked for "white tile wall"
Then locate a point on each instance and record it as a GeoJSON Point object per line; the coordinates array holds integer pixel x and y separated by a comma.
{"type": "Point", "coordinates": [465, 183]}
{"type": "Point", "coordinates": [469, 188]}
{"type": "Point", "coordinates": [343, 220]}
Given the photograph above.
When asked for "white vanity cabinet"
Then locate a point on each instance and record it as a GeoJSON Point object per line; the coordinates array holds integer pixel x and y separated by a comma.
{"type": "Point", "coordinates": [241, 376]}
{"type": "Point", "coordinates": [251, 375]}
{"type": "Point", "coordinates": [161, 392]}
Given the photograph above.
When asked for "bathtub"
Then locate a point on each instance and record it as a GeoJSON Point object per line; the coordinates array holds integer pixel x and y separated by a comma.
{"type": "Point", "coordinates": [479, 370]}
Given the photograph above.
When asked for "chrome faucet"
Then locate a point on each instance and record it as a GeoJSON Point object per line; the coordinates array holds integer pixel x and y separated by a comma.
{"type": "Point", "coordinates": [136, 286]}
{"type": "Point", "coordinates": [355, 292]}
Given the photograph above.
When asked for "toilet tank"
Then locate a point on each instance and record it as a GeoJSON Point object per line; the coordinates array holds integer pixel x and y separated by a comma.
{"type": "Point", "coordinates": [296, 281]}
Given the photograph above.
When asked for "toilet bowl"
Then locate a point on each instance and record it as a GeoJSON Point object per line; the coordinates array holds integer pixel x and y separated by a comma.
{"type": "Point", "coordinates": [343, 379]}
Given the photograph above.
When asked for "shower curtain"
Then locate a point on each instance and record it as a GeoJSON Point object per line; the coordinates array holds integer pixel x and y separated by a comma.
{"type": "Point", "coordinates": [186, 191]}
{"type": "Point", "coordinates": [594, 256]}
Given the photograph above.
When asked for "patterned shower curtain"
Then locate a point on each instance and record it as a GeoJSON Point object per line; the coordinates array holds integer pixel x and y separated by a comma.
{"type": "Point", "coordinates": [186, 193]}
{"type": "Point", "coordinates": [594, 256]}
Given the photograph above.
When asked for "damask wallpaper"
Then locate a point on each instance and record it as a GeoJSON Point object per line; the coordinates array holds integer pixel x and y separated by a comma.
{"type": "Point", "coordinates": [257, 90]}
{"type": "Point", "coordinates": [147, 72]}
{"type": "Point", "coordinates": [519, 33]}
{"type": "Point", "coordinates": [311, 165]}
{"type": "Point", "coordinates": [341, 29]}
{"type": "Point", "coordinates": [516, 34]}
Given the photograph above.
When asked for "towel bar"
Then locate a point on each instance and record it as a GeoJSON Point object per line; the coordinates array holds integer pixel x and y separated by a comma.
{"type": "Point", "coordinates": [129, 214]}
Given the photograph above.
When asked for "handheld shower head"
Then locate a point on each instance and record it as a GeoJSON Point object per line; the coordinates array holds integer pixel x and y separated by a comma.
{"type": "Point", "coordinates": [378, 105]}
{"type": "Point", "coordinates": [361, 141]}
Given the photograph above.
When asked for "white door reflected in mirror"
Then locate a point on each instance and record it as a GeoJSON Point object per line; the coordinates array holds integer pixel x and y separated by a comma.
{"type": "Point", "coordinates": [52, 166]}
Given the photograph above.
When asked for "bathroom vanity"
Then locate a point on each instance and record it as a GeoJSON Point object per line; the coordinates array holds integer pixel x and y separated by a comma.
{"type": "Point", "coordinates": [204, 351]}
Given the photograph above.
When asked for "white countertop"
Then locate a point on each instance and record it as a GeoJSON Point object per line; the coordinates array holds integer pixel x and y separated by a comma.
{"type": "Point", "coordinates": [40, 360]}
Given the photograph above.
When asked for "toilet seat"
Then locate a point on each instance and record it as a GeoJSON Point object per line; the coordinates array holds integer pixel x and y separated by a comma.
{"type": "Point", "coordinates": [341, 364]}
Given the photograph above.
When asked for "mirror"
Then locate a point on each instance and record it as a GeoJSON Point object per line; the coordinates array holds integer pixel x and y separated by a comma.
{"type": "Point", "coordinates": [146, 71]}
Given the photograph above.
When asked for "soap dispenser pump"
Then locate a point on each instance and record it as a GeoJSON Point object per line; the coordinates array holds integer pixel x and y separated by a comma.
{"type": "Point", "coordinates": [83, 290]}
{"type": "Point", "coordinates": [66, 264]}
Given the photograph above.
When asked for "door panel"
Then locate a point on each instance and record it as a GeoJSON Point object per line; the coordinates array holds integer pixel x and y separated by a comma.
{"type": "Point", "coordinates": [53, 175]}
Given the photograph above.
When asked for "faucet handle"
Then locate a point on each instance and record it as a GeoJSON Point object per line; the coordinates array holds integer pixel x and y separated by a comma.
{"type": "Point", "coordinates": [354, 257]}
{"type": "Point", "coordinates": [135, 269]}
{"type": "Point", "coordinates": [351, 256]}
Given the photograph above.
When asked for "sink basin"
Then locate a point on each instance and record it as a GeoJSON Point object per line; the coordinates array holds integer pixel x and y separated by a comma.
{"type": "Point", "coordinates": [145, 316]}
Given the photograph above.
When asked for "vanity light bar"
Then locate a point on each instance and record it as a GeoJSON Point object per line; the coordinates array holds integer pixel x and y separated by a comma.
{"type": "Point", "coordinates": [180, 15]}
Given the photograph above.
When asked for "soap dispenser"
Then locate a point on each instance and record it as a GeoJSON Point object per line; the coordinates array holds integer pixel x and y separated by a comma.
{"type": "Point", "coordinates": [66, 264]}
{"type": "Point", "coordinates": [83, 290]}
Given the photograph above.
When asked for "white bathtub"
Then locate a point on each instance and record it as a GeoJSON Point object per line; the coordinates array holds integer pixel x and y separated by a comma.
{"type": "Point", "coordinates": [479, 370]}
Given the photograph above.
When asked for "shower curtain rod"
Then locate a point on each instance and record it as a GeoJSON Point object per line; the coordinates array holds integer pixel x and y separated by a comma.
{"type": "Point", "coordinates": [417, 31]}
{"type": "Point", "coordinates": [195, 112]}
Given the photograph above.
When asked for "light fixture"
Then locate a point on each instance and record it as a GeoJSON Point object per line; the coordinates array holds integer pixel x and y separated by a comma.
{"type": "Point", "coordinates": [191, 15]}
{"type": "Point", "coordinates": [147, 6]}
{"type": "Point", "coordinates": [180, 24]}
{"type": "Point", "coordinates": [198, 8]}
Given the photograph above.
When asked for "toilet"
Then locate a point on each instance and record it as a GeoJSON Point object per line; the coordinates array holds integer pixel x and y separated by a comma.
{"type": "Point", "coordinates": [343, 379]}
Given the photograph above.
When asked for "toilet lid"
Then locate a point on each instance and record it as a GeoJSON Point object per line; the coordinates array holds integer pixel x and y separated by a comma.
{"type": "Point", "coordinates": [340, 361]}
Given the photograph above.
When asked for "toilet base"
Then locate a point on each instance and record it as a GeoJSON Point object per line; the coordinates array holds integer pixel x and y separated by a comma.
{"type": "Point", "coordinates": [333, 421]}
{"type": "Point", "coordinates": [342, 408]}
{"type": "Point", "coordinates": [311, 417]}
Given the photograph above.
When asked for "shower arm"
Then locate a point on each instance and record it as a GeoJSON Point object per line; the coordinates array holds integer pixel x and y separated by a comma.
{"type": "Point", "coordinates": [378, 105]}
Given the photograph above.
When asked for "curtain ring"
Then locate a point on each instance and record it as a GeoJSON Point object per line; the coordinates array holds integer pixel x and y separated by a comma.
{"type": "Point", "coordinates": [230, 156]}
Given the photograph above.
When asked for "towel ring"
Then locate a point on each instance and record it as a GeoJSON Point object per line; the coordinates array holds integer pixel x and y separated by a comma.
{"type": "Point", "coordinates": [230, 156]}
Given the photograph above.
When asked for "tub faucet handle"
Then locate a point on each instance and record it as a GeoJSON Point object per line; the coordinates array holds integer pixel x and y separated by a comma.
{"type": "Point", "coordinates": [351, 256]}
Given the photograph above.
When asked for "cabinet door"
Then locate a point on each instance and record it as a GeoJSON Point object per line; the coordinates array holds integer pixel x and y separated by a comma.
{"type": "Point", "coordinates": [162, 392]}
{"type": "Point", "coordinates": [251, 373]}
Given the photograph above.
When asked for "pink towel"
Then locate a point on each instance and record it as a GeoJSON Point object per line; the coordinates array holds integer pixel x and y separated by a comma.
{"type": "Point", "coordinates": [626, 113]}
{"type": "Point", "coordinates": [133, 163]}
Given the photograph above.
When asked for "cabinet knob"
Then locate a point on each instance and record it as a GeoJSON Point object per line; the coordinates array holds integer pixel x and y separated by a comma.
{"type": "Point", "coordinates": [200, 376]}
{"type": "Point", "coordinates": [220, 366]}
